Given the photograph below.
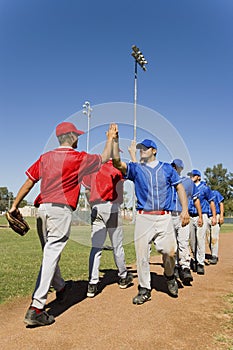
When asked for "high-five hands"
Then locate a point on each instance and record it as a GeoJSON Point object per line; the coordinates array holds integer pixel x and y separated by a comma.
{"type": "Point", "coordinates": [112, 132]}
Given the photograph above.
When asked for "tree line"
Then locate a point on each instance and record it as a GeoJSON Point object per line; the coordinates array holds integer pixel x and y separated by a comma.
{"type": "Point", "coordinates": [217, 178]}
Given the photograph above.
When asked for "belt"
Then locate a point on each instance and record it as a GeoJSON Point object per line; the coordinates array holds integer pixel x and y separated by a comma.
{"type": "Point", "coordinates": [154, 212]}
{"type": "Point", "coordinates": [176, 213]}
{"type": "Point", "coordinates": [61, 205]}
{"type": "Point", "coordinates": [193, 215]}
{"type": "Point", "coordinates": [103, 202]}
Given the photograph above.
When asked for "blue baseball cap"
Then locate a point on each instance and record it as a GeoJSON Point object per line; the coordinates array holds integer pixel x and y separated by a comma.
{"type": "Point", "coordinates": [194, 172]}
{"type": "Point", "coordinates": [146, 143]}
{"type": "Point", "coordinates": [178, 162]}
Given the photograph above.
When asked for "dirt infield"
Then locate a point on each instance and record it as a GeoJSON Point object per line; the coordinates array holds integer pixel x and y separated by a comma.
{"type": "Point", "coordinates": [196, 319]}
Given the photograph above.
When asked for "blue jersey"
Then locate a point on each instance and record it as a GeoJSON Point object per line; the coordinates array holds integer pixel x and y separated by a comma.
{"type": "Point", "coordinates": [153, 186]}
{"type": "Point", "coordinates": [218, 198]}
{"type": "Point", "coordinates": [205, 196]}
{"type": "Point", "coordinates": [190, 190]}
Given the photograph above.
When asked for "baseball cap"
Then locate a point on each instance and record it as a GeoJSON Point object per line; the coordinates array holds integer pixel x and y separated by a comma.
{"type": "Point", "coordinates": [178, 162]}
{"type": "Point", "coordinates": [66, 127]}
{"type": "Point", "coordinates": [146, 143]}
{"type": "Point", "coordinates": [194, 172]}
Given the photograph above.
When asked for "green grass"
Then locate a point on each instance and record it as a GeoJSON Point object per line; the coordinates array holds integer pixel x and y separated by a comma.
{"type": "Point", "coordinates": [226, 228]}
{"type": "Point", "coordinates": [20, 257]}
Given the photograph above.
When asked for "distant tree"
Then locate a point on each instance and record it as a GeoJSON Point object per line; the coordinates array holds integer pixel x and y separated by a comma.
{"type": "Point", "coordinates": [23, 203]}
{"type": "Point", "coordinates": [219, 179]}
{"type": "Point", "coordinates": [6, 199]}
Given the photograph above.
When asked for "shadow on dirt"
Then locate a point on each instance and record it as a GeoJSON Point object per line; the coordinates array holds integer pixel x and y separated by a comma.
{"type": "Point", "coordinates": [158, 283]}
{"type": "Point", "coordinates": [78, 291]}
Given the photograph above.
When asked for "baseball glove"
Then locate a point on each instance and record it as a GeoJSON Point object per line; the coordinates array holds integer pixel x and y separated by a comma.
{"type": "Point", "coordinates": [17, 222]}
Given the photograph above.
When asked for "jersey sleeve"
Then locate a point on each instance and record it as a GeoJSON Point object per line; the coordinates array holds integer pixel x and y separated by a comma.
{"type": "Point", "coordinates": [131, 171]}
{"type": "Point", "coordinates": [219, 197]}
{"type": "Point", "coordinates": [34, 171]}
{"type": "Point", "coordinates": [175, 178]}
{"type": "Point", "coordinates": [91, 163]}
{"type": "Point", "coordinates": [195, 192]}
{"type": "Point", "coordinates": [209, 194]}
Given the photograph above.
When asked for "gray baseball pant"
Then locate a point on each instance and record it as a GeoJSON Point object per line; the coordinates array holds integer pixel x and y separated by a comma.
{"type": "Point", "coordinates": [106, 218]}
{"type": "Point", "coordinates": [53, 224]}
{"type": "Point", "coordinates": [198, 237]}
{"type": "Point", "coordinates": [183, 250]}
{"type": "Point", "coordinates": [213, 236]}
{"type": "Point", "coordinates": [160, 229]}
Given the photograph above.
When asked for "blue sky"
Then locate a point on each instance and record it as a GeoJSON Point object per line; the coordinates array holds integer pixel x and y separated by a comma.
{"type": "Point", "coordinates": [56, 54]}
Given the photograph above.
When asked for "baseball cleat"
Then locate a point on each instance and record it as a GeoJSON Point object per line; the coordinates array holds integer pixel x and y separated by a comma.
{"type": "Point", "coordinates": [213, 260]}
{"type": "Point", "coordinates": [200, 269]}
{"type": "Point", "coordinates": [172, 285]}
{"type": "Point", "coordinates": [144, 295]}
{"type": "Point", "coordinates": [35, 318]}
{"type": "Point", "coordinates": [92, 290]}
{"type": "Point", "coordinates": [127, 281]}
{"type": "Point", "coordinates": [193, 265]}
{"type": "Point", "coordinates": [186, 276]}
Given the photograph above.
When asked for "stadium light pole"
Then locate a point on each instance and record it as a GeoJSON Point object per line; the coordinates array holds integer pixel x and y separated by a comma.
{"type": "Point", "coordinates": [87, 111]}
{"type": "Point", "coordinates": [139, 59]}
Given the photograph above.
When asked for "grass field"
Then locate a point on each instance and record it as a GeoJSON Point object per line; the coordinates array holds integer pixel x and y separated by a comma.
{"type": "Point", "coordinates": [20, 257]}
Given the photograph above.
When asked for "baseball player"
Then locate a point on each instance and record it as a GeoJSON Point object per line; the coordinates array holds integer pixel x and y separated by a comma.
{"type": "Point", "coordinates": [105, 197]}
{"type": "Point", "coordinates": [153, 187]}
{"type": "Point", "coordinates": [213, 231]}
{"type": "Point", "coordinates": [61, 172]}
{"type": "Point", "coordinates": [198, 233]}
{"type": "Point", "coordinates": [183, 258]}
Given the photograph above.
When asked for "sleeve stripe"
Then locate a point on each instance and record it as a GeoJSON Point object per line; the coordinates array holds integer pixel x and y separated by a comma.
{"type": "Point", "coordinates": [30, 176]}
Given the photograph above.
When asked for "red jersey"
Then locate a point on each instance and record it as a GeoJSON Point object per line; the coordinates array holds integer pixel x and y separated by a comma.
{"type": "Point", "coordinates": [61, 172]}
{"type": "Point", "coordinates": [105, 185]}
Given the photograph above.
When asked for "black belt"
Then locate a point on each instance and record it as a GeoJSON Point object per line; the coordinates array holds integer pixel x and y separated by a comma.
{"type": "Point", "coordinates": [193, 215]}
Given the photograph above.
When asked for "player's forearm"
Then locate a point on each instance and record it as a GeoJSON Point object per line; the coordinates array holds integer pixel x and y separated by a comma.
{"type": "Point", "coordinates": [182, 197]}
{"type": "Point", "coordinates": [132, 156]}
{"type": "Point", "coordinates": [221, 210]}
{"type": "Point", "coordinates": [197, 204]}
{"type": "Point", "coordinates": [221, 215]}
{"type": "Point", "coordinates": [116, 160]}
{"type": "Point", "coordinates": [23, 191]}
{"type": "Point", "coordinates": [107, 152]}
{"type": "Point", "coordinates": [184, 203]}
{"type": "Point", "coordinates": [213, 209]}
{"type": "Point", "coordinates": [132, 151]}
{"type": "Point", "coordinates": [111, 135]}
{"type": "Point", "coordinates": [198, 207]}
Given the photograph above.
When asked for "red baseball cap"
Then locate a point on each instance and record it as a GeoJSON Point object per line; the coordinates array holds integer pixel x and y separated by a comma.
{"type": "Point", "coordinates": [66, 127]}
